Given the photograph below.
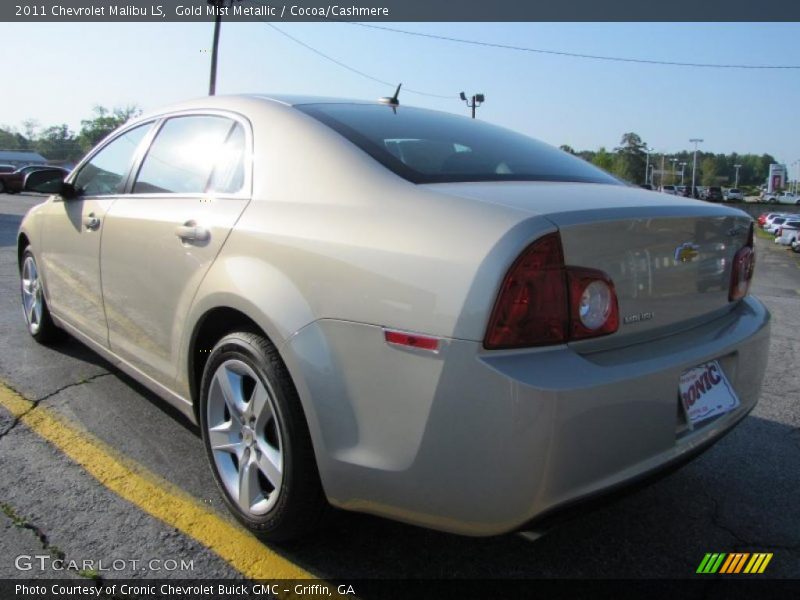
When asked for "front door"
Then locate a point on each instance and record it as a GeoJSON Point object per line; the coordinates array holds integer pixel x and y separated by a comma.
{"type": "Point", "coordinates": [72, 230]}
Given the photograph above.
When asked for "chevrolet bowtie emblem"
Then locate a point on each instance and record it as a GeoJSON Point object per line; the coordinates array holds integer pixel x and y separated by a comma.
{"type": "Point", "coordinates": [686, 252]}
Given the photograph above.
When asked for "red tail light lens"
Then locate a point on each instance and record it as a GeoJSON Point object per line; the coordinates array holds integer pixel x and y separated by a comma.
{"type": "Point", "coordinates": [531, 309]}
{"type": "Point", "coordinates": [543, 302]}
{"type": "Point", "coordinates": [744, 265]}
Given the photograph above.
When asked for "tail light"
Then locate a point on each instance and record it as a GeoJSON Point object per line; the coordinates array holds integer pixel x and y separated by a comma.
{"type": "Point", "coordinates": [744, 264]}
{"type": "Point", "coordinates": [542, 301]}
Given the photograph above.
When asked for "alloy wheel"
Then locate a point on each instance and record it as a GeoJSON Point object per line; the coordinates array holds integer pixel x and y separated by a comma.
{"type": "Point", "coordinates": [245, 438]}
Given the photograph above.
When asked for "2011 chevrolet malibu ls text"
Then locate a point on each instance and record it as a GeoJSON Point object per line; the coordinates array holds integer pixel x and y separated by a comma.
{"type": "Point", "coordinates": [398, 311]}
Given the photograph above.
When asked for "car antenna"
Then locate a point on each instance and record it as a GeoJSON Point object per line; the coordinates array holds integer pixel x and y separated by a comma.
{"type": "Point", "coordinates": [392, 101]}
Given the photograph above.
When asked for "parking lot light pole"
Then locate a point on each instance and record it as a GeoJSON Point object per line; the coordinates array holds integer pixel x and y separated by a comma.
{"type": "Point", "coordinates": [647, 166]}
{"type": "Point", "coordinates": [477, 100]}
{"type": "Point", "coordinates": [694, 141]}
{"type": "Point", "coordinates": [683, 166]}
{"type": "Point", "coordinates": [673, 161]}
{"type": "Point", "coordinates": [737, 167]}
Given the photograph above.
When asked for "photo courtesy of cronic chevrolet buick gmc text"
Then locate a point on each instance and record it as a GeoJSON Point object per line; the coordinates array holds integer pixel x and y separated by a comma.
{"type": "Point", "coordinates": [398, 311]}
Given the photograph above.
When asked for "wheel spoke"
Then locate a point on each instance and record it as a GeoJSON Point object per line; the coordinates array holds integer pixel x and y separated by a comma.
{"type": "Point", "coordinates": [32, 312]}
{"type": "Point", "coordinates": [249, 490]}
{"type": "Point", "coordinates": [270, 463]}
{"type": "Point", "coordinates": [223, 438]}
{"type": "Point", "coordinates": [229, 394]}
{"type": "Point", "coordinates": [260, 406]}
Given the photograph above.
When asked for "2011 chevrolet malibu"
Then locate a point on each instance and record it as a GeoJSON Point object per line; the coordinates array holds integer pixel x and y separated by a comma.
{"type": "Point", "coordinates": [398, 311]}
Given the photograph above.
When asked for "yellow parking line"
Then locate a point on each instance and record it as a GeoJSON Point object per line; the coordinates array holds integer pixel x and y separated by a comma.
{"type": "Point", "coordinates": [152, 494]}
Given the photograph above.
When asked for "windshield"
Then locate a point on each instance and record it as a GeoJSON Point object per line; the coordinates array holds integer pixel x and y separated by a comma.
{"type": "Point", "coordinates": [425, 146]}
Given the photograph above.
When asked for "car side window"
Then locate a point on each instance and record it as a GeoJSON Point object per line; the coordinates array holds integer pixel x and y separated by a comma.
{"type": "Point", "coordinates": [105, 174]}
{"type": "Point", "coordinates": [185, 153]}
{"type": "Point", "coordinates": [228, 175]}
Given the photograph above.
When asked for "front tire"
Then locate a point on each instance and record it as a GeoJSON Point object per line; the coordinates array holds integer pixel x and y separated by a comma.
{"type": "Point", "coordinates": [257, 440]}
{"type": "Point", "coordinates": [34, 305]}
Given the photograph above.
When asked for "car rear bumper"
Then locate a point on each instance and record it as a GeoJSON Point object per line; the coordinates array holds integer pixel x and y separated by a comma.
{"type": "Point", "coordinates": [480, 443]}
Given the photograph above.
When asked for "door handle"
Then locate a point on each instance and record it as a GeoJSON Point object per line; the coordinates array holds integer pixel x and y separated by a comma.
{"type": "Point", "coordinates": [192, 232]}
{"type": "Point", "coordinates": [91, 222]}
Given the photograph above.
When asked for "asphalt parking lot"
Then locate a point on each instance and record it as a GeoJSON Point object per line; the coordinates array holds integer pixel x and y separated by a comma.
{"type": "Point", "coordinates": [742, 495]}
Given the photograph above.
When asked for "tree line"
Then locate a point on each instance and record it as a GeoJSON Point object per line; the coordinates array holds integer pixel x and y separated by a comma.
{"type": "Point", "coordinates": [629, 161]}
{"type": "Point", "coordinates": [58, 143]}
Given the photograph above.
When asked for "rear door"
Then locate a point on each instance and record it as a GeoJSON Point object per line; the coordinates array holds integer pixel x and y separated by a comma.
{"type": "Point", "coordinates": [159, 241]}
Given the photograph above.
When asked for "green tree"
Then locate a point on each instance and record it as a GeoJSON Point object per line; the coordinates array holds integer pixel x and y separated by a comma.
{"type": "Point", "coordinates": [630, 159]}
{"type": "Point", "coordinates": [104, 122]}
{"type": "Point", "coordinates": [708, 170]}
{"type": "Point", "coordinates": [567, 148]}
{"type": "Point", "coordinates": [604, 159]}
{"type": "Point", "coordinates": [9, 140]}
{"type": "Point", "coordinates": [58, 143]}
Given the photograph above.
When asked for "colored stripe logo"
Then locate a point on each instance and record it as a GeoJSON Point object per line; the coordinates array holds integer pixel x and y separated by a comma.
{"type": "Point", "coordinates": [734, 563]}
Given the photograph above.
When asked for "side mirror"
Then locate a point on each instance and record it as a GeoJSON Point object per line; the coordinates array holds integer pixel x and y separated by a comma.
{"type": "Point", "coordinates": [47, 182]}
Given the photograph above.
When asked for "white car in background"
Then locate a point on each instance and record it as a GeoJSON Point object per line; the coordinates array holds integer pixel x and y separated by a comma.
{"type": "Point", "coordinates": [733, 194]}
{"type": "Point", "coordinates": [788, 232]}
{"type": "Point", "coordinates": [773, 226]}
{"type": "Point", "coordinates": [771, 218]}
{"type": "Point", "coordinates": [782, 198]}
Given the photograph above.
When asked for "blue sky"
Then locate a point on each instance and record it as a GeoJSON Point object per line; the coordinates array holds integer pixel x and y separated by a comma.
{"type": "Point", "coordinates": [67, 68]}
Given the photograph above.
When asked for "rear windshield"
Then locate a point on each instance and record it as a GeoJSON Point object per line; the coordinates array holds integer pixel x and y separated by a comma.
{"type": "Point", "coordinates": [425, 146]}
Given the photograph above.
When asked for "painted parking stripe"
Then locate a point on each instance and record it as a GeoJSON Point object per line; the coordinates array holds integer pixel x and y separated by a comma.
{"type": "Point", "coordinates": [152, 494]}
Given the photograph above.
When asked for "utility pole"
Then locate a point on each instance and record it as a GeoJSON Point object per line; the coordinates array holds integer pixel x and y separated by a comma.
{"type": "Point", "coordinates": [694, 141]}
{"type": "Point", "coordinates": [212, 80]}
{"type": "Point", "coordinates": [647, 165]}
{"type": "Point", "coordinates": [737, 167]}
{"type": "Point", "coordinates": [477, 100]}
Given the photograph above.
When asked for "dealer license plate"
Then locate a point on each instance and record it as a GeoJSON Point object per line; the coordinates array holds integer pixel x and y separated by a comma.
{"type": "Point", "coordinates": [705, 392]}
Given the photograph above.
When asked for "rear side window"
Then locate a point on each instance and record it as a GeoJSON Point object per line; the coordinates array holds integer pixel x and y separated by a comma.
{"type": "Point", "coordinates": [192, 155]}
{"type": "Point", "coordinates": [426, 146]}
{"type": "Point", "coordinates": [106, 173]}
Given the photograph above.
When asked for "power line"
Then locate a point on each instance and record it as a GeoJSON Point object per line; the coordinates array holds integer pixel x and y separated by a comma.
{"type": "Point", "coordinates": [352, 69]}
{"type": "Point", "coordinates": [569, 54]}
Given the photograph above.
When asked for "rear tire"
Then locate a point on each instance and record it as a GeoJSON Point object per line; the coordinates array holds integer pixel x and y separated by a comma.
{"type": "Point", "coordinates": [257, 439]}
{"type": "Point", "coordinates": [34, 305]}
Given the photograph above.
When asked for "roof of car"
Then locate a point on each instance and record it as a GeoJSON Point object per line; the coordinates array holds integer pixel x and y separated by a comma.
{"type": "Point", "coordinates": [240, 101]}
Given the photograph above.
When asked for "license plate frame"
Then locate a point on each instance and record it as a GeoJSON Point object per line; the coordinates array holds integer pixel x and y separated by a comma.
{"type": "Point", "coordinates": [704, 392]}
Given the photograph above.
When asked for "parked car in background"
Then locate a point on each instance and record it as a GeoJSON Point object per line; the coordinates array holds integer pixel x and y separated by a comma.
{"type": "Point", "coordinates": [733, 195]}
{"type": "Point", "coordinates": [668, 189]}
{"type": "Point", "coordinates": [12, 183]}
{"type": "Point", "coordinates": [773, 225]}
{"type": "Point", "coordinates": [770, 218]}
{"type": "Point", "coordinates": [712, 193]}
{"type": "Point", "coordinates": [646, 186]}
{"type": "Point", "coordinates": [398, 310]}
{"type": "Point", "coordinates": [781, 198]}
{"type": "Point", "coordinates": [689, 192]}
{"type": "Point", "coordinates": [787, 232]}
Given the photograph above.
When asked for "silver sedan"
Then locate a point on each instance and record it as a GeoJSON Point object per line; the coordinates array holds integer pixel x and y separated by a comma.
{"type": "Point", "coordinates": [398, 311]}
